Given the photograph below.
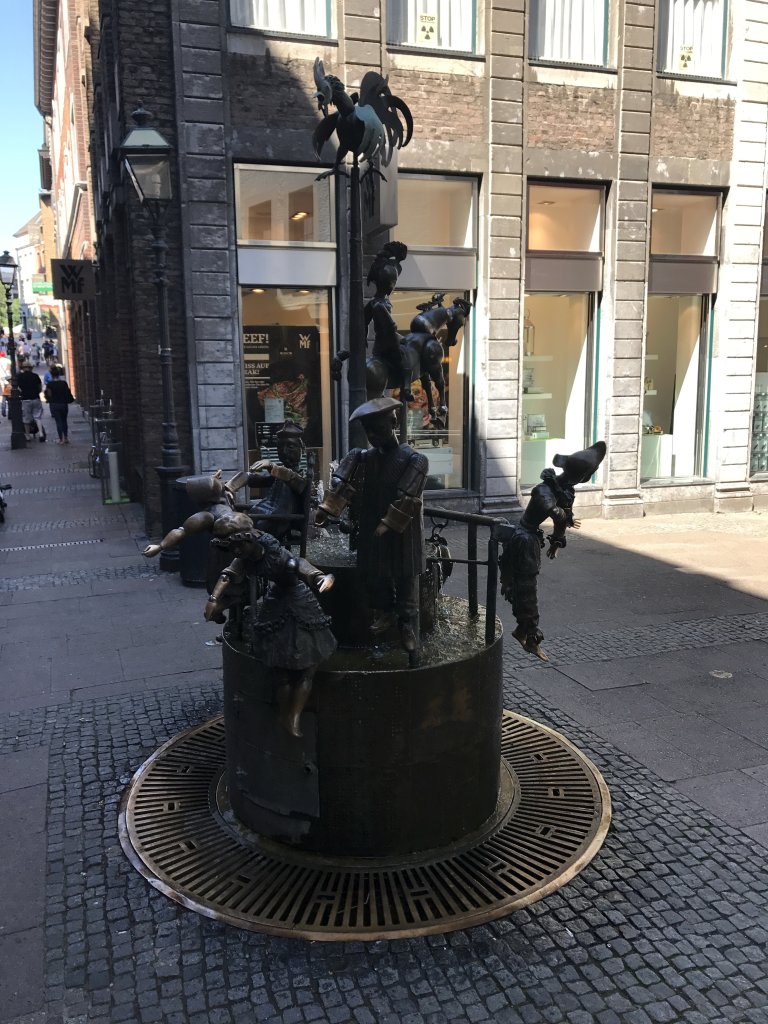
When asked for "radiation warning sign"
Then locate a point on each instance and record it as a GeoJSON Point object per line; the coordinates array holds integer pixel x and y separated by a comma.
{"type": "Point", "coordinates": [427, 30]}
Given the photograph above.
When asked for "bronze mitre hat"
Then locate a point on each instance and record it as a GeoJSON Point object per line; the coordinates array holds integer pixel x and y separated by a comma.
{"type": "Point", "coordinates": [580, 466]}
{"type": "Point", "coordinates": [375, 407]}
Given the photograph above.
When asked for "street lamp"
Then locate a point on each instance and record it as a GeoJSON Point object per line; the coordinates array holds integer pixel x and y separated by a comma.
{"type": "Point", "coordinates": [147, 159]}
{"type": "Point", "coordinates": [7, 277]}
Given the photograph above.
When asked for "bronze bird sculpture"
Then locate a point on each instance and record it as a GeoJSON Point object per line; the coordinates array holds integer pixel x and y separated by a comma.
{"type": "Point", "coordinates": [366, 125]}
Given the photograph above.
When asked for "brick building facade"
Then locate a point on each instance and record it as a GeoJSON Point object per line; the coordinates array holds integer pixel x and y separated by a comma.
{"type": "Point", "coordinates": [599, 195]}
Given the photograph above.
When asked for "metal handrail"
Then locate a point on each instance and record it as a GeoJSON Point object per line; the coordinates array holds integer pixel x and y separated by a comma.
{"type": "Point", "coordinates": [473, 521]}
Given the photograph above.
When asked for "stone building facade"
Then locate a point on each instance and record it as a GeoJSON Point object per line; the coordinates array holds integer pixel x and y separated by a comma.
{"type": "Point", "coordinates": [598, 194]}
{"type": "Point", "coordinates": [63, 90]}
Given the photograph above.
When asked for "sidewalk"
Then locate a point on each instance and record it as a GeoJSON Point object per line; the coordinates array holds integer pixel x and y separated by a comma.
{"type": "Point", "coordinates": [659, 672]}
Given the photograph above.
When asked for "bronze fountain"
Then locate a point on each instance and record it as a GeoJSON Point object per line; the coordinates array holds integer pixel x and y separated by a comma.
{"type": "Point", "coordinates": [364, 780]}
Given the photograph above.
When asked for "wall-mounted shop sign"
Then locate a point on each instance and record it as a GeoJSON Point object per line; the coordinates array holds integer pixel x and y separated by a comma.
{"type": "Point", "coordinates": [282, 381]}
{"type": "Point", "coordinates": [73, 279]}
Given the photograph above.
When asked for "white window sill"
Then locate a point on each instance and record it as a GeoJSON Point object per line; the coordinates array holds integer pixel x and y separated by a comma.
{"type": "Point", "coordinates": [588, 75]}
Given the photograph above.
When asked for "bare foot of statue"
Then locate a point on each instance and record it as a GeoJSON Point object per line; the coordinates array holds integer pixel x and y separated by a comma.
{"type": "Point", "coordinates": [382, 621]}
{"type": "Point", "coordinates": [407, 637]}
{"type": "Point", "coordinates": [529, 644]}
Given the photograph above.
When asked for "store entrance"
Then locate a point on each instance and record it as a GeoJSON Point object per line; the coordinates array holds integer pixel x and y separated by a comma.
{"type": "Point", "coordinates": [674, 399]}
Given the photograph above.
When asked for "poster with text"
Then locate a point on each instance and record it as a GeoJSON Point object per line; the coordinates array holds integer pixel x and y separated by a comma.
{"type": "Point", "coordinates": [282, 382]}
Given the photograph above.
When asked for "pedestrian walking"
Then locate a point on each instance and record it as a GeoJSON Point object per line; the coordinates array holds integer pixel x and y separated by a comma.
{"type": "Point", "coordinates": [30, 387]}
{"type": "Point", "coordinates": [59, 398]}
{"type": "Point", "coordinates": [6, 395]}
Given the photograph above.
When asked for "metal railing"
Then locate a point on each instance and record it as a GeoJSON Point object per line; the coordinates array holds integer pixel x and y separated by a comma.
{"type": "Point", "coordinates": [440, 517]}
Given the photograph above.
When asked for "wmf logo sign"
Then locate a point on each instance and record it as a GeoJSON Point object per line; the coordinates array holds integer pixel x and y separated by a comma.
{"type": "Point", "coordinates": [428, 29]}
{"type": "Point", "coordinates": [73, 279]}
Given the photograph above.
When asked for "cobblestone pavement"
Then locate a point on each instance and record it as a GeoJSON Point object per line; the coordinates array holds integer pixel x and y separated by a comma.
{"type": "Point", "coordinates": [669, 923]}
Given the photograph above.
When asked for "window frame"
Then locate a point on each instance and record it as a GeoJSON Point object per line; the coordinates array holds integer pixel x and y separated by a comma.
{"type": "Point", "coordinates": [664, 7]}
{"type": "Point", "coordinates": [414, 174]}
{"type": "Point", "coordinates": [330, 23]}
{"type": "Point", "coordinates": [414, 47]}
{"type": "Point", "coordinates": [594, 186]}
{"type": "Point", "coordinates": [608, 64]}
{"type": "Point", "coordinates": [268, 243]}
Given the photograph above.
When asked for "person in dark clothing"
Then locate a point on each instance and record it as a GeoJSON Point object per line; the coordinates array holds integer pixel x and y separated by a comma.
{"type": "Point", "coordinates": [30, 387]}
{"type": "Point", "coordinates": [58, 396]}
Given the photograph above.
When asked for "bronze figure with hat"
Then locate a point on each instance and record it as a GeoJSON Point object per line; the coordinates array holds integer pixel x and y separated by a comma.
{"type": "Point", "coordinates": [382, 485]}
{"type": "Point", "coordinates": [283, 480]}
{"type": "Point", "coordinates": [520, 560]}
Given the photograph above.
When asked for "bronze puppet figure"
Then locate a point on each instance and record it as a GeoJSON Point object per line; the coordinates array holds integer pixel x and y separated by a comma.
{"type": "Point", "coordinates": [520, 560]}
{"type": "Point", "coordinates": [383, 485]}
{"type": "Point", "coordinates": [289, 634]}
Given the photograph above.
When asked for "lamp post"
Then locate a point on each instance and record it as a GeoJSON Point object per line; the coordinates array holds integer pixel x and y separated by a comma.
{"type": "Point", "coordinates": [147, 158]}
{"type": "Point", "coordinates": [7, 277]}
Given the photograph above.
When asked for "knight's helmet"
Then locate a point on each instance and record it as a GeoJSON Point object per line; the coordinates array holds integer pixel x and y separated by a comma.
{"type": "Point", "coordinates": [204, 490]}
{"type": "Point", "coordinates": [541, 505]}
{"type": "Point", "coordinates": [580, 466]}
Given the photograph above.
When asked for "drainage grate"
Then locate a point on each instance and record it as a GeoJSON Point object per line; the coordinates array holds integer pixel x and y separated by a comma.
{"type": "Point", "coordinates": [39, 526]}
{"type": "Point", "coordinates": [175, 836]}
{"type": "Point", "coordinates": [73, 467]}
{"type": "Point", "coordinates": [140, 571]}
{"type": "Point", "coordinates": [56, 489]}
{"type": "Point", "coordinates": [57, 544]}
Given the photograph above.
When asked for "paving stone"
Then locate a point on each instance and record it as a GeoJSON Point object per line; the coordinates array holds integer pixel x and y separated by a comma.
{"type": "Point", "coordinates": [670, 918]}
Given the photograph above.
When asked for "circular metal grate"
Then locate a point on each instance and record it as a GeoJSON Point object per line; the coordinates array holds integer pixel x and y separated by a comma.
{"type": "Point", "coordinates": [173, 833]}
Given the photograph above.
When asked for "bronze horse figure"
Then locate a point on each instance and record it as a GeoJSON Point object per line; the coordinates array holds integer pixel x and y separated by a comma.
{"type": "Point", "coordinates": [397, 360]}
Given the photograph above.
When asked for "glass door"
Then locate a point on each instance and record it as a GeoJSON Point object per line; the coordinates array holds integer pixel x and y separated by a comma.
{"type": "Point", "coordinates": [675, 387]}
{"type": "Point", "coordinates": [558, 378]}
{"type": "Point", "coordinates": [286, 368]}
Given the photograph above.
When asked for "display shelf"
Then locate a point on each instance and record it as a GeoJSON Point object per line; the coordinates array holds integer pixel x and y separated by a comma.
{"type": "Point", "coordinates": [538, 359]}
{"type": "Point", "coordinates": [540, 396]}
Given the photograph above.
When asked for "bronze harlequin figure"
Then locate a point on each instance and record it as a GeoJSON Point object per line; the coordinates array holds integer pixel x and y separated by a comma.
{"type": "Point", "coordinates": [288, 631]}
{"type": "Point", "coordinates": [520, 560]}
{"type": "Point", "coordinates": [383, 486]}
{"type": "Point", "coordinates": [216, 499]}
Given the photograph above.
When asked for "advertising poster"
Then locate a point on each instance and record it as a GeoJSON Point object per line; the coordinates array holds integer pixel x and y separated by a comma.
{"type": "Point", "coordinates": [282, 382]}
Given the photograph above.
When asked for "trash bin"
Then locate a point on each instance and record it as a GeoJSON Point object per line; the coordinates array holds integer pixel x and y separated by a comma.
{"type": "Point", "coordinates": [193, 550]}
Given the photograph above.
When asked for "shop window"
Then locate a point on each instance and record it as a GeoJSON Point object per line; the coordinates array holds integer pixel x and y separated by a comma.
{"type": "Point", "coordinates": [286, 368]}
{"type": "Point", "coordinates": [565, 219]}
{"type": "Point", "coordinates": [558, 375]}
{"type": "Point", "coordinates": [675, 385]}
{"type": "Point", "coordinates": [692, 37]}
{"type": "Point", "coordinates": [436, 212]}
{"type": "Point", "coordinates": [445, 448]}
{"type": "Point", "coordinates": [440, 24]}
{"type": "Point", "coordinates": [294, 17]}
{"type": "Point", "coordinates": [569, 31]}
{"type": "Point", "coordinates": [283, 206]}
{"type": "Point", "coordinates": [759, 456]}
{"type": "Point", "coordinates": [684, 224]}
